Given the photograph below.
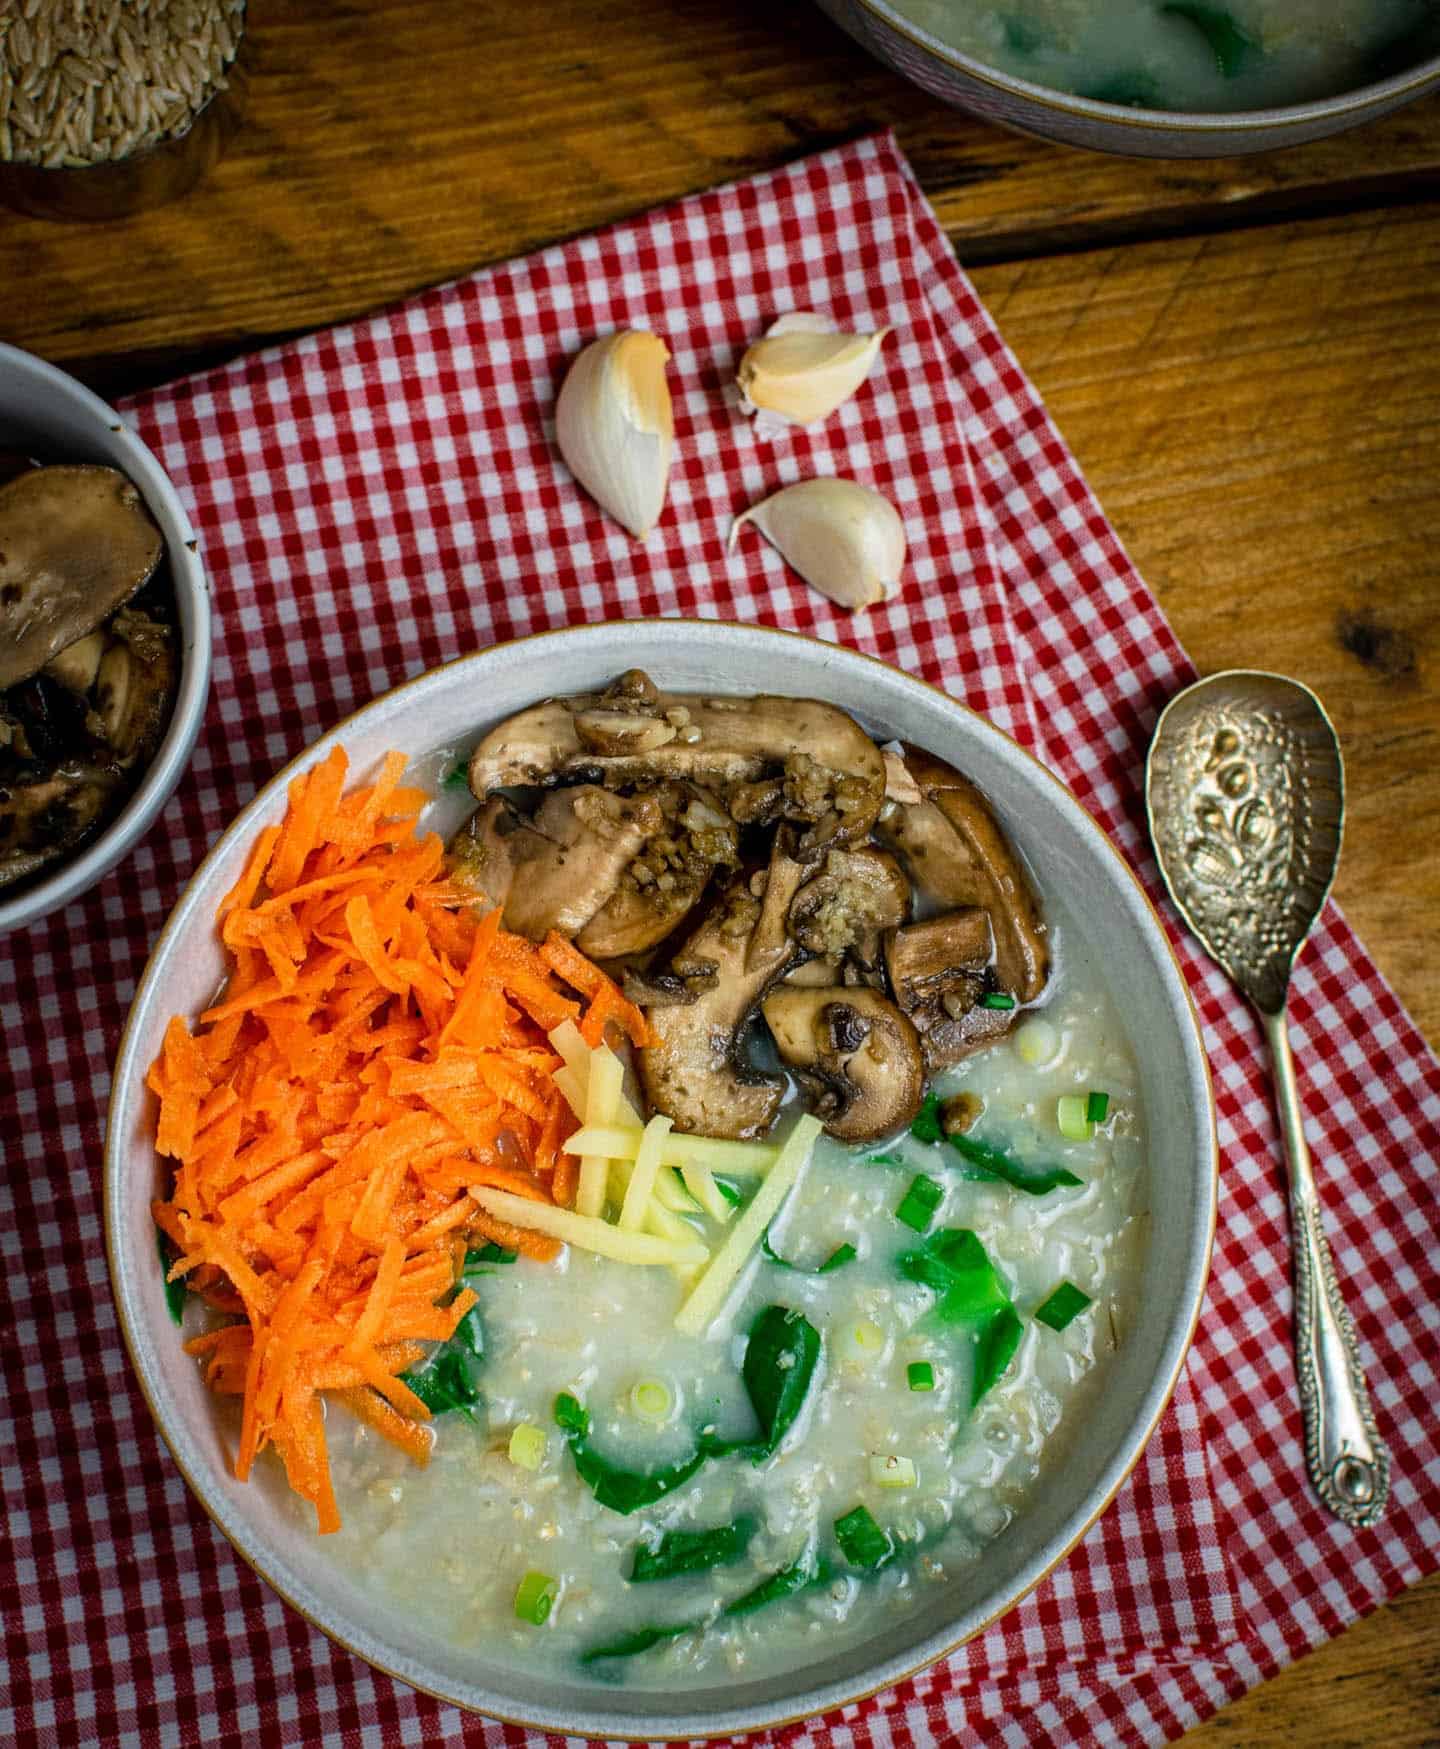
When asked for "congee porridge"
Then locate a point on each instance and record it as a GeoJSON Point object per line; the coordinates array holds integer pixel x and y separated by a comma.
{"type": "Point", "coordinates": [1203, 55]}
{"type": "Point", "coordinates": [678, 1223]}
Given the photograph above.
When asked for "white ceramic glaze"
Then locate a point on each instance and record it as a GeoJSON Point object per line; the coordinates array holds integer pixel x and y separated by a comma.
{"type": "Point", "coordinates": [48, 414]}
{"type": "Point", "coordinates": [449, 707]}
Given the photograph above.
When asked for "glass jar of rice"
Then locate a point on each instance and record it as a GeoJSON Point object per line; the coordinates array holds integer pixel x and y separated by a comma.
{"type": "Point", "coordinates": [111, 106]}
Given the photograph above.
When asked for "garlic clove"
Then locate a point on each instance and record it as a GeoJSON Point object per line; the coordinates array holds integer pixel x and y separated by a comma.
{"type": "Point", "coordinates": [804, 369]}
{"type": "Point", "coordinates": [844, 539]}
{"type": "Point", "coordinates": [615, 427]}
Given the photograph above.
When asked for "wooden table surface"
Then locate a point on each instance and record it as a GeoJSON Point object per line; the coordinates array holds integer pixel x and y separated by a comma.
{"type": "Point", "coordinates": [1244, 355]}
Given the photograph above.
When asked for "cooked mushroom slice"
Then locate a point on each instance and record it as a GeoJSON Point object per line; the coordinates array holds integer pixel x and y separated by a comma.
{"type": "Point", "coordinates": [830, 773]}
{"type": "Point", "coordinates": [77, 664]}
{"type": "Point", "coordinates": [772, 945]}
{"type": "Point", "coordinates": [667, 878]}
{"type": "Point", "coordinates": [957, 854]}
{"type": "Point", "coordinates": [942, 955]}
{"type": "Point", "coordinates": [43, 820]}
{"type": "Point", "coordinates": [938, 970]}
{"type": "Point", "coordinates": [855, 1055]}
{"type": "Point", "coordinates": [693, 1073]}
{"type": "Point", "coordinates": [133, 686]}
{"type": "Point", "coordinates": [856, 894]}
{"type": "Point", "coordinates": [556, 871]}
{"type": "Point", "coordinates": [75, 543]}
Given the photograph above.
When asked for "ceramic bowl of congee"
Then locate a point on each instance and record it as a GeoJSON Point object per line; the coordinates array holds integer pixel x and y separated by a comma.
{"type": "Point", "coordinates": [1160, 78]}
{"type": "Point", "coordinates": [796, 1387]}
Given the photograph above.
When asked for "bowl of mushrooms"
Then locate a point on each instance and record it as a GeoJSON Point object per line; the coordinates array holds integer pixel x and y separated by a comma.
{"type": "Point", "coordinates": [104, 638]}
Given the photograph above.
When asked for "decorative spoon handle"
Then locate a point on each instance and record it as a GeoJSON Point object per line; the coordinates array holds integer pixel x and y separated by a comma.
{"type": "Point", "coordinates": [1347, 1462]}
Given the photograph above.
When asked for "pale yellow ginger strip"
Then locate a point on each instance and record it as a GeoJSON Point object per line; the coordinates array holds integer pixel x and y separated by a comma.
{"type": "Point", "coordinates": [700, 1182]}
{"type": "Point", "coordinates": [588, 1234]}
{"type": "Point", "coordinates": [708, 1294]}
{"type": "Point", "coordinates": [607, 1073]}
{"type": "Point", "coordinates": [642, 1179]}
{"type": "Point", "coordinates": [622, 1142]}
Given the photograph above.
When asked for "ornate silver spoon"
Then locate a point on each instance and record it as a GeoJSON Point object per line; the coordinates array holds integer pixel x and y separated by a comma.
{"type": "Point", "coordinates": [1245, 793]}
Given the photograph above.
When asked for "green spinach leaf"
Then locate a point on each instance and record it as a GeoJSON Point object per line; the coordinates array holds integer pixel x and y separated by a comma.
{"type": "Point", "coordinates": [996, 1163]}
{"type": "Point", "coordinates": [692, 1551]}
{"type": "Point", "coordinates": [780, 1361]}
{"type": "Point", "coordinates": [972, 1297]}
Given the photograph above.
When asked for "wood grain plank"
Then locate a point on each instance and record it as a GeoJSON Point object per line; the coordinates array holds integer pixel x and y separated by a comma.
{"type": "Point", "coordinates": [1275, 473]}
{"type": "Point", "coordinates": [392, 144]}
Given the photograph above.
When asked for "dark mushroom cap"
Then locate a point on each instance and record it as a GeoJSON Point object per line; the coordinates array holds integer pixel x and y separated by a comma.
{"type": "Point", "coordinates": [858, 1059]}
{"type": "Point", "coordinates": [76, 542]}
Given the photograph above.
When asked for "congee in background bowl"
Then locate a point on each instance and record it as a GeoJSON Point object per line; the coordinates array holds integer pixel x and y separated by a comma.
{"type": "Point", "coordinates": [818, 1406]}
{"type": "Point", "coordinates": [1161, 78]}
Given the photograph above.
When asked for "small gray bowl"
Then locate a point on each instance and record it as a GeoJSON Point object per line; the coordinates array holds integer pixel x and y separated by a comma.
{"type": "Point", "coordinates": [446, 710]}
{"type": "Point", "coordinates": [46, 413]}
{"type": "Point", "coordinates": [1048, 114]}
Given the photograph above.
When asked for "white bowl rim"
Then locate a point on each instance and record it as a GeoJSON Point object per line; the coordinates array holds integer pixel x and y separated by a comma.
{"type": "Point", "coordinates": [1356, 102]}
{"type": "Point", "coordinates": [77, 874]}
{"type": "Point", "coordinates": [875, 1678]}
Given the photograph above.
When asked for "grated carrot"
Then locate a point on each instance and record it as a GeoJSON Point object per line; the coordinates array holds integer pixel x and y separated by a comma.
{"type": "Point", "coordinates": [379, 1048]}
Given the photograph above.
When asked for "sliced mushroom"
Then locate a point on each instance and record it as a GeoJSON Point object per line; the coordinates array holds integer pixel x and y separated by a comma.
{"type": "Point", "coordinates": [75, 543]}
{"type": "Point", "coordinates": [772, 945]}
{"type": "Point", "coordinates": [855, 1055]}
{"type": "Point", "coordinates": [666, 880]}
{"type": "Point", "coordinates": [830, 774]}
{"type": "Point", "coordinates": [78, 664]}
{"type": "Point", "coordinates": [957, 855]}
{"type": "Point", "coordinates": [938, 972]}
{"type": "Point", "coordinates": [693, 1072]}
{"type": "Point", "coordinates": [856, 895]}
{"type": "Point", "coordinates": [556, 871]}
{"type": "Point", "coordinates": [44, 820]}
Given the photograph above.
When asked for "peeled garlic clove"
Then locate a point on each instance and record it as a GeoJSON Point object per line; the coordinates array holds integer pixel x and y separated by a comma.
{"type": "Point", "coordinates": [615, 428]}
{"type": "Point", "coordinates": [844, 539]}
{"type": "Point", "coordinates": [803, 369]}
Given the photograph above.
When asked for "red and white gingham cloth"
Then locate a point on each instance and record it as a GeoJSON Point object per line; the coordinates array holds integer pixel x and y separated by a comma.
{"type": "Point", "coordinates": [378, 498]}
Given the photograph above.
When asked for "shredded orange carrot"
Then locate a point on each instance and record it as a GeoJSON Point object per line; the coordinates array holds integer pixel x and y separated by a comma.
{"type": "Point", "coordinates": [379, 1047]}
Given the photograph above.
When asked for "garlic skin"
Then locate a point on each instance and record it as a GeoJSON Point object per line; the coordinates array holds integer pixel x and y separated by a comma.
{"type": "Point", "coordinates": [844, 539]}
{"type": "Point", "coordinates": [615, 427]}
{"type": "Point", "coordinates": [804, 368]}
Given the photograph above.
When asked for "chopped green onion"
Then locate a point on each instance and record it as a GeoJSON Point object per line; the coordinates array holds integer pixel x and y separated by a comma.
{"type": "Point", "coordinates": [920, 1375]}
{"type": "Point", "coordinates": [1096, 1105]}
{"type": "Point", "coordinates": [535, 1597]}
{"type": "Point", "coordinates": [892, 1472]}
{"type": "Point", "coordinates": [527, 1446]}
{"type": "Point", "coordinates": [997, 999]}
{"type": "Point", "coordinates": [458, 777]}
{"type": "Point", "coordinates": [1063, 1306]}
{"type": "Point", "coordinates": [733, 1193]}
{"type": "Point", "coordinates": [927, 1126]}
{"type": "Point", "coordinates": [1071, 1119]}
{"type": "Point", "coordinates": [861, 1540]}
{"type": "Point", "coordinates": [917, 1207]}
{"type": "Point", "coordinates": [651, 1399]}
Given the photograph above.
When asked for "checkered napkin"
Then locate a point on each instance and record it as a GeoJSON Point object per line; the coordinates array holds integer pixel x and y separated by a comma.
{"type": "Point", "coordinates": [375, 499]}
